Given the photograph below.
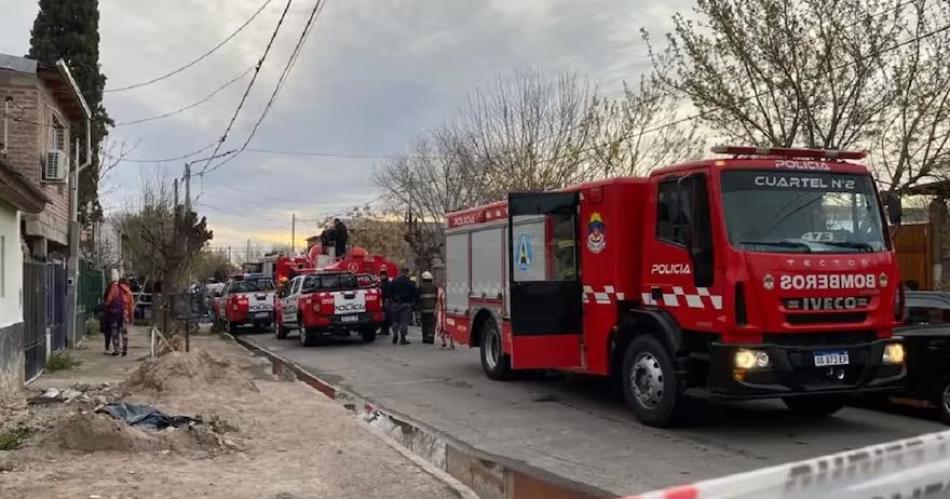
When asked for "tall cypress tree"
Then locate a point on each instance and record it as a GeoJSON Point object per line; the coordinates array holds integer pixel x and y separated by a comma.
{"type": "Point", "coordinates": [69, 30]}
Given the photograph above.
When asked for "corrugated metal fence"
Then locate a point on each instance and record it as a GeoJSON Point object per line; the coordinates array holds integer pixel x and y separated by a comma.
{"type": "Point", "coordinates": [34, 317]}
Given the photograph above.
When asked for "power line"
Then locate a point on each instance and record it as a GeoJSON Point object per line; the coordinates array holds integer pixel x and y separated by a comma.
{"type": "Point", "coordinates": [320, 154]}
{"type": "Point", "coordinates": [164, 160]}
{"type": "Point", "coordinates": [291, 62]}
{"type": "Point", "coordinates": [192, 105]}
{"type": "Point", "coordinates": [199, 59]}
{"type": "Point", "coordinates": [250, 85]}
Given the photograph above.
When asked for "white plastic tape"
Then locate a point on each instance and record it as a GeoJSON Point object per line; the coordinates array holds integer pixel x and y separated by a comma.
{"type": "Point", "coordinates": [917, 467]}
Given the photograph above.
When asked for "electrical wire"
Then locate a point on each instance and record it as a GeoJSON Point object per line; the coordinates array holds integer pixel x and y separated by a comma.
{"type": "Point", "coordinates": [320, 154]}
{"type": "Point", "coordinates": [190, 106]}
{"type": "Point", "coordinates": [291, 62]}
{"type": "Point", "coordinates": [247, 91]}
{"type": "Point", "coordinates": [196, 61]}
{"type": "Point", "coordinates": [164, 160]}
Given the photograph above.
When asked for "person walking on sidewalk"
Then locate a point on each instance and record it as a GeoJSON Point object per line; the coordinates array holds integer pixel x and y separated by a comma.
{"type": "Point", "coordinates": [427, 293]}
{"type": "Point", "coordinates": [403, 295]}
{"type": "Point", "coordinates": [117, 314]}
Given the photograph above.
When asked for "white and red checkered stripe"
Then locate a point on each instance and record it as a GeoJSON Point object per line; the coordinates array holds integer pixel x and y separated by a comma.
{"type": "Point", "coordinates": [676, 296]}
{"type": "Point", "coordinates": [602, 295]}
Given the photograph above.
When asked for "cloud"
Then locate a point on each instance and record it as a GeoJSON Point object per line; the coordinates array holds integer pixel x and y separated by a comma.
{"type": "Point", "coordinates": [374, 74]}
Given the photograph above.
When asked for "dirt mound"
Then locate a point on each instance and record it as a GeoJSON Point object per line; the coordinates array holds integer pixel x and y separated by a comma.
{"type": "Point", "coordinates": [187, 373]}
{"type": "Point", "coordinates": [98, 432]}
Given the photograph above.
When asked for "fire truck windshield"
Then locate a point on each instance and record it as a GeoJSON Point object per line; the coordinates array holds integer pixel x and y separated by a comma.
{"type": "Point", "coordinates": [801, 212]}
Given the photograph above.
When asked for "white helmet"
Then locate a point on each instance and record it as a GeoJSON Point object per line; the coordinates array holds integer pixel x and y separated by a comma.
{"type": "Point", "coordinates": [427, 276]}
{"type": "Point", "coordinates": [114, 275]}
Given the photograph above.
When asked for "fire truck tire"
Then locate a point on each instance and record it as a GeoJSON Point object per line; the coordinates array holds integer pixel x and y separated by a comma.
{"type": "Point", "coordinates": [941, 400]}
{"type": "Point", "coordinates": [649, 382]}
{"type": "Point", "coordinates": [495, 363]}
{"type": "Point", "coordinates": [368, 334]}
{"type": "Point", "coordinates": [232, 328]}
{"type": "Point", "coordinates": [814, 407]}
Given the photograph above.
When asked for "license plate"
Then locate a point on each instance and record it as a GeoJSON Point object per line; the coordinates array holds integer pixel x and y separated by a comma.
{"type": "Point", "coordinates": [262, 315]}
{"type": "Point", "coordinates": [350, 318]}
{"type": "Point", "coordinates": [823, 359]}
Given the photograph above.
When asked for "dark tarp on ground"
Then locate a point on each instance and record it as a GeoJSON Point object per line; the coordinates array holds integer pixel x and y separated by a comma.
{"type": "Point", "coordinates": [146, 417]}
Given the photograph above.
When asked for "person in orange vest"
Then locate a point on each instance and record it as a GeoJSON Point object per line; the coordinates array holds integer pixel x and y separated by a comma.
{"type": "Point", "coordinates": [118, 306]}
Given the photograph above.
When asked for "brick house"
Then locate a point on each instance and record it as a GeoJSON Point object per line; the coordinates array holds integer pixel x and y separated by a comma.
{"type": "Point", "coordinates": [41, 105]}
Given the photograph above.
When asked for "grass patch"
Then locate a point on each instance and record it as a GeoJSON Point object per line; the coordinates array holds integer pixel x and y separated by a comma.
{"type": "Point", "coordinates": [12, 439]}
{"type": "Point", "coordinates": [221, 425]}
{"type": "Point", "coordinates": [61, 361]}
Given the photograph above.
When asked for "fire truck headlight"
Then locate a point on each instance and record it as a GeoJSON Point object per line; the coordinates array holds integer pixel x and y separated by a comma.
{"type": "Point", "coordinates": [893, 353]}
{"type": "Point", "coordinates": [751, 359]}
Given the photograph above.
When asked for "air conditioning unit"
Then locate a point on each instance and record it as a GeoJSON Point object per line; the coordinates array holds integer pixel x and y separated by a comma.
{"type": "Point", "coordinates": [56, 165]}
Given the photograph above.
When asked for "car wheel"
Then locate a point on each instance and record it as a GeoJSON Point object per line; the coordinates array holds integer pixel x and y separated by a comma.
{"type": "Point", "coordinates": [307, 337]}
{"type": "Point", "coordinates": [649, 382]}
{"type": "Point", "coordinates": [368, 334]}
{"type": "Point", "coordinates": [495, 362]}
{"type": "Point", "coordinates": [941, 400]}
{"type": "Point", "coordinates": [232, 328]}
{"type": "Point", "coordinates": [814, 407]}
{"type": "Point", "coordinates": [280, 331]}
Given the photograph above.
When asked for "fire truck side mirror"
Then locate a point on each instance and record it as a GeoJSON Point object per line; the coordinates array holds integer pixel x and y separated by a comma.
{"type": "Point", "coordinates": [895, 211]}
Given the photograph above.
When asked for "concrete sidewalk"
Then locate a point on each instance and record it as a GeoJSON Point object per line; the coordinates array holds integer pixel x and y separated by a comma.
{"type": "Point", "coordinates": [286, 440]}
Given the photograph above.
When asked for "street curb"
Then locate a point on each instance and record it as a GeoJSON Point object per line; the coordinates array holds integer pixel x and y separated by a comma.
{"type": "Point", "coordinates": [486, 475]}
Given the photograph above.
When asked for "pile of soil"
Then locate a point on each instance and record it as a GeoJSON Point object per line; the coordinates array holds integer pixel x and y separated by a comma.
{"type": "Point", "coordinates": [89, 432]}
{"type": "Point", "coordinates": [187, 373]}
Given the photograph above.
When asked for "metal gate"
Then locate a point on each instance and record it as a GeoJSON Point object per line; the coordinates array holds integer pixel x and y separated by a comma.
{"type": "Point", "coordinates": [56, 304]}
{"type": "Point", "coordinates": [34, 317]}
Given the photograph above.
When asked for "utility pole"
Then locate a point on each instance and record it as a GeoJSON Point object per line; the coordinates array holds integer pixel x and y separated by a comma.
{"type": "Point", "coordinates": [188, 188]}
{"type": "Point", "coordinates": [247, 252]}
{"type": "Point", "coordinates": [229, 255]}
{"type": "Point", "coordinates": [293, 233]}
{"type": "Point", "coordinates": [72, 263]}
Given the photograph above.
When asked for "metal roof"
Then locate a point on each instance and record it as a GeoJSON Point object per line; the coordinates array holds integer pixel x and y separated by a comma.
{"type": "Point", "coordinates": [20, 64]}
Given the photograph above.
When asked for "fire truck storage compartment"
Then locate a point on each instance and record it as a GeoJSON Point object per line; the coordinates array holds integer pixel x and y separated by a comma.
{"type": "Point", "coordinates": [487, 276]}
{"type": "Point", "coordinates": [457, 268]}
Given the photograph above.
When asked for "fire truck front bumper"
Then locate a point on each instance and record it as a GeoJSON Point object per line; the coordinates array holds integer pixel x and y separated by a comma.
{"type": "Point", "coordinates": [769, 370]}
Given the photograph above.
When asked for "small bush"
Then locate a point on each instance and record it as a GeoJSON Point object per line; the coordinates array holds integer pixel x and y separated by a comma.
{"type": "Point", "coordinates": [12, 439]}
{"type": "Point", "coordinates": [61, 361]}
{"type": "Point", "coordinates": [92, 327]}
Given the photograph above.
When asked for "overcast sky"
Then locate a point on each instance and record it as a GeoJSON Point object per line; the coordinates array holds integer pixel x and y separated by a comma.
{"type": "Point", "coordinates": [374, 74]}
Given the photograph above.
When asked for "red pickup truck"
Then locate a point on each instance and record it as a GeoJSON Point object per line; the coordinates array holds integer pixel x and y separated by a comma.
{"type": "Point", "coordinates": [328, 303]}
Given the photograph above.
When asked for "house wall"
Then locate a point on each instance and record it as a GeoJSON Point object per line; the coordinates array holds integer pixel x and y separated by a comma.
{"type": "Point", "coordinates": [11, 300]}
{"type": "Point", "coordinates": [31, 129]}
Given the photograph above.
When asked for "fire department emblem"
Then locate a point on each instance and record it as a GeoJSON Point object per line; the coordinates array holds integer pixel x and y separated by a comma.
{"type": "Point", "coordinates": [523, 255]}
{"type": "Point", "coordinates": [596, 241]}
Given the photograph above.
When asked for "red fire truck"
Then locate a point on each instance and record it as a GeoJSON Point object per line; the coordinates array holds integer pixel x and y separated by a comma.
{"type": "Point", "coordinates": [766, 274]}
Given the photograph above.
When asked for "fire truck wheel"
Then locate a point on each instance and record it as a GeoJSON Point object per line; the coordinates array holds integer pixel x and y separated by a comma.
{"type": "Point", "coordinates": [495, 362]}
{"type": "Point", "coordinates": [232, 328]}
{"type": "Point", "coordinates": [942, 400]}
{"type": "Point", "coordinates": [368, 334]}
{"type": "Point", "coordinates": [650, 387]}
{"type": "Point", "coordinates": [814, 406]}
{"type": "Point", "coordinates": [280, 330]}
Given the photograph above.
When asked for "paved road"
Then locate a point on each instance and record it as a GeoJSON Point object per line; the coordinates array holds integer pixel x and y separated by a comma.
{"type": "Point", "coordinates": [579, 428]}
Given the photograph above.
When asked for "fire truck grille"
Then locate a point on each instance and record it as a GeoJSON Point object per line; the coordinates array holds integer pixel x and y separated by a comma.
{"type": "Point", "coordinates": [827, 318]}
{"type": "Point", "coordinates": [820, 339]}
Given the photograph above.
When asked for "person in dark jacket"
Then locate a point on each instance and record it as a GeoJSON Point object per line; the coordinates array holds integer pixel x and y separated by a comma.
{"type": "Point", "coordinates": [328, 239]}
{"type": "Point", "coordinates": [427, 295]}
{"type": "Point", "coordinates": [341, 237]}
{"type": "Point", "coordinates": [384, 291]}
{"type": "Point", "coordinates": [402, 295]}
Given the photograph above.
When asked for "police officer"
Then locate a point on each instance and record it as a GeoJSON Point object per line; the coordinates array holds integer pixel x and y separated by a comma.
{"type": "Point", "coordinates": [387, 302]}
{"type": "Point", "coordinates": [427, 295]}
{"type": "Point", "coordinates": [402, 295]}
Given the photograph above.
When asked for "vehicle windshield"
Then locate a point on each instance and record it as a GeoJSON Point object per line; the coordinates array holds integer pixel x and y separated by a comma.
{"type": "Point", "coordinates": [792, 212]}
{"type": "Point", "coordinates": [252, 285]}
{"type": "Point", "coordinates": [328, 282]}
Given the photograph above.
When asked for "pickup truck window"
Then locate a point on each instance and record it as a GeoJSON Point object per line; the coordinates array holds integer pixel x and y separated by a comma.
{"type": "Point", "coordinates": [251, 286]}
{"type": "Point", "coordinates": [329, 282]}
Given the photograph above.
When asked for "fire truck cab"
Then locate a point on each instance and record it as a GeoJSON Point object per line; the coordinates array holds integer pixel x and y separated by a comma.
{"type": "Point", "coordinates": [766, 274]}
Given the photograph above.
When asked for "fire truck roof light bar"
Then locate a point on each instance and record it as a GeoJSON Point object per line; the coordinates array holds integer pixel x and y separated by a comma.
{"type": "Point", "coordinates": [789, 152]}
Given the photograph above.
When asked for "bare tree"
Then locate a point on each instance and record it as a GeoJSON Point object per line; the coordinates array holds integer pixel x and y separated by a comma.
{"type": "Point", "coordinates": [633, 135]}
{"type": "Point", "coordinates": [821, 73]}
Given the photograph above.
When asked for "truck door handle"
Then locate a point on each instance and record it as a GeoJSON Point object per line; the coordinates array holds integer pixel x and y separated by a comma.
{"type": "Point", "coordinates": [656, 293]}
